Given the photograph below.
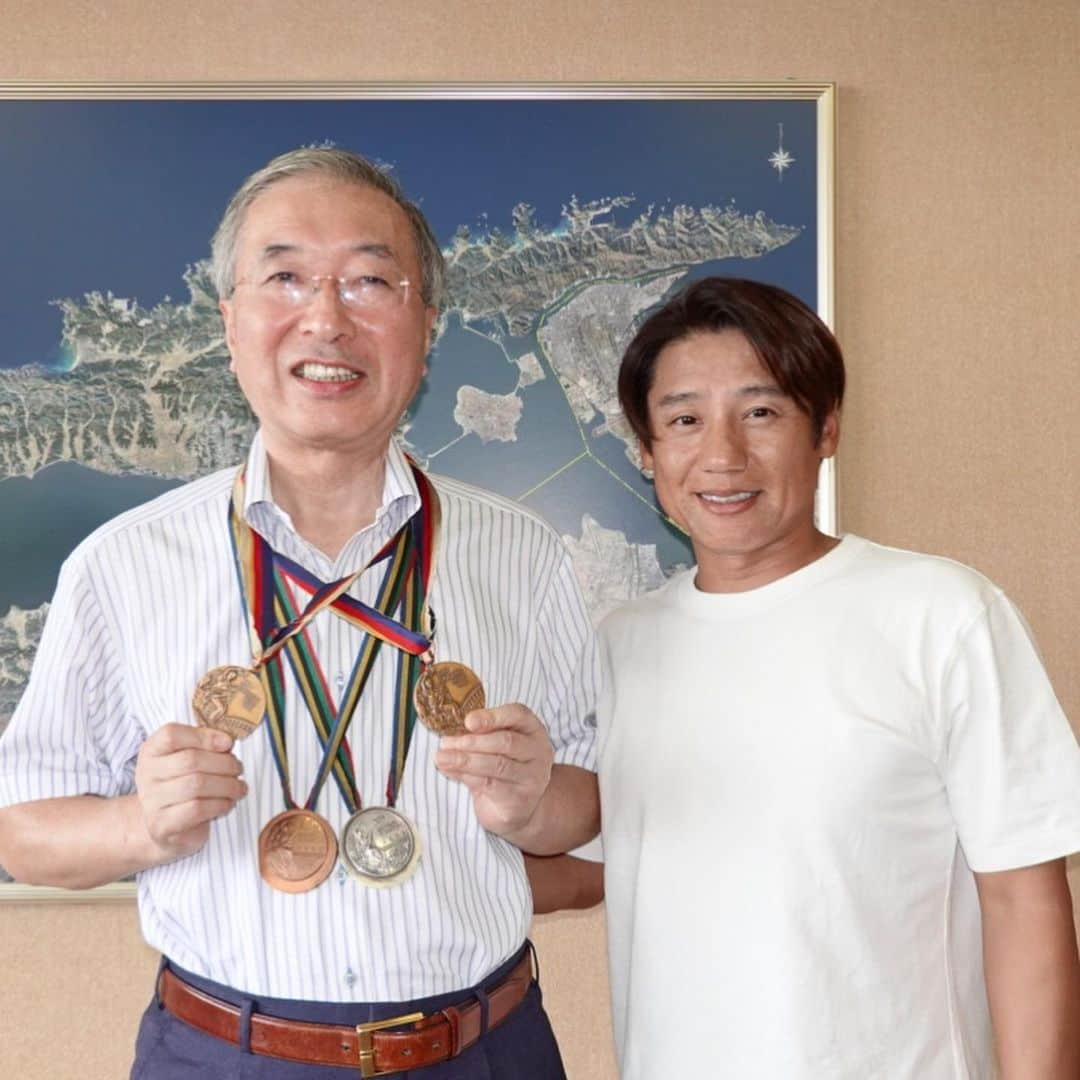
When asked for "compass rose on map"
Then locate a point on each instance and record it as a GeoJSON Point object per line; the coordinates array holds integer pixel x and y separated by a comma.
{"type": "Point", "coordinates": [780, 159]}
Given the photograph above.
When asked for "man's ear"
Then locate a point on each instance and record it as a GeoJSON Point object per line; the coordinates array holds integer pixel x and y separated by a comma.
{"type": "Point", "coordinates": [225, 307]}
{"type": "Point", "coordinates": [646, 458]}
{"type": "Point", "coordinates": [830, 435]}
{"type": "Point", "coordinates": [431, 319]}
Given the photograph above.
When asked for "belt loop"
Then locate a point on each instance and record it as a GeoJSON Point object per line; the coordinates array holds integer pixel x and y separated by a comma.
{"type": "Point", "coordinates": [481, 996]}
{"type": "Point", "coordinates": [162, 966]}
{"type": "Point", "coordinates": [536, 970]}
{"type": "Point", "coordinates": [244, 1033]}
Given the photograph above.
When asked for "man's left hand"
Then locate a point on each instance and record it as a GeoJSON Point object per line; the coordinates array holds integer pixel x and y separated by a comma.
{"type": "Point", "coordinates": [505, 761]}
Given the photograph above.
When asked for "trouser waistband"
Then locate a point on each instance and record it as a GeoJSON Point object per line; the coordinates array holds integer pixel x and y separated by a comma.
{"type": "Point", "coordinates": [407, 1035]}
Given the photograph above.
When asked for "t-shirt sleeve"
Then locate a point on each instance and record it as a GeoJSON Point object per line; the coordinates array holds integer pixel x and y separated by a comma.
{"type": "Point", "coordinates": [1012, 761]}
{"type": "Point", "coordinates": [593, 851]}
{"type": "Point", "coordinates": [570, 668]}
{"type": "Point", "coordinates": [71, 733]}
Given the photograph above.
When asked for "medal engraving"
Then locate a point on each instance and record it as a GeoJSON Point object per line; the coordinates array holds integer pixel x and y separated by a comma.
{"type": "Point", "coordinates": [297, 851]}
{"type": "Point", "coordinates": [380, 846]}
{"type": "Point", "coordinates": [230, 699]}
{"type": "Point", "coordinates": [445, 694]}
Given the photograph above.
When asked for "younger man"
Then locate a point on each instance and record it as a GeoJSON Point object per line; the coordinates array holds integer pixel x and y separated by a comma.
{"type": "Point", "coordinates": [836, 787]}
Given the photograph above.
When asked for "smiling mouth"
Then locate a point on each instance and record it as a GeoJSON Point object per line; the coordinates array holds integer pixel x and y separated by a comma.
{"type": "Point", "coordinates": [727, 500]}
{"type": "Point", "coordinates": [324, 373]}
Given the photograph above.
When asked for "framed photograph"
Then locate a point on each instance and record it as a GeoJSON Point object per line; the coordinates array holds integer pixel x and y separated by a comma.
{"type": "Point", "coordinates": [566, 213]}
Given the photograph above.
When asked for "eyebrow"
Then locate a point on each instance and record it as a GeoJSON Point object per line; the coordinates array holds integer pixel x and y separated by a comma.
{"type": "Point", "coordinates": [755, 390]}
{"type": "Point", "coordinates": [761, 389]}
{"type": "Point", "coordinates": [272, 251]}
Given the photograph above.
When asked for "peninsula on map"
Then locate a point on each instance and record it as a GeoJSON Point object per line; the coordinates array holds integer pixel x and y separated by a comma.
{"type": "Point", "coordinates": [513, 278]}
{"type": "Point", "coordinates": [148, 391]}
{"type": "Point", "coordinates": [585, 338]}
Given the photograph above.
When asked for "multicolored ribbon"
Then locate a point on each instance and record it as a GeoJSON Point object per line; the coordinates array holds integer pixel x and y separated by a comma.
{"type": "Point", "coordinates": [275, 624]}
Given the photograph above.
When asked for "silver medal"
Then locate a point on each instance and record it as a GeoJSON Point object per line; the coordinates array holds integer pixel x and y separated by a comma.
{"type": "Point", "coordinates": [380, 846]}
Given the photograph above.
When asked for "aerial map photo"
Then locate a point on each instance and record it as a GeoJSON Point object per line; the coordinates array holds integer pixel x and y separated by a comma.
{"type": "Point", "coordinates": [563, 223]}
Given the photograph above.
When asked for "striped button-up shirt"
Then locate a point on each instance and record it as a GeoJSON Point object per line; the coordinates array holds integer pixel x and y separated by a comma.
{"type": "Point", "coordinates": [150, 602]}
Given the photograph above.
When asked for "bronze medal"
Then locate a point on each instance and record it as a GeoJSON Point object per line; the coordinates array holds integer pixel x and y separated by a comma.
{"type": "Point", "coordinates": [230, 699]}
{"type": "Point", "coordinates": [445, 694]}
{"type": "Point", "coordinates": [297, 851]}
{"type": "Point", "coordinates": [380, 846]}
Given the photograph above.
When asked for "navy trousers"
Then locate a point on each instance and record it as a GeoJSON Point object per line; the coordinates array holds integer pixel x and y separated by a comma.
{"type": "Point", "coordinates": [522, 1047]}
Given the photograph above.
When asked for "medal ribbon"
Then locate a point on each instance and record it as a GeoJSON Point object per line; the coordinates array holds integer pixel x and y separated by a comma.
{"type": "Point", "coordinates": [416, 636]}
{"type": "Point", "coordinates": [408, 672]}
{"type": "Point", "coordinates": [412, 645]}
{"type": "Point", "coordinates": [373, 620]}
{"type": "Point", "coordinates": [331, 724]}
{"type": "Point", "coordinates": [274, 624]}
{"type": "Point", "coordinates": [255, 561]}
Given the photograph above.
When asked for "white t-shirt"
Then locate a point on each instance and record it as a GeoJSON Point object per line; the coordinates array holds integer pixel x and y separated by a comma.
{"type": "Point", "coordinates": [797, 782]}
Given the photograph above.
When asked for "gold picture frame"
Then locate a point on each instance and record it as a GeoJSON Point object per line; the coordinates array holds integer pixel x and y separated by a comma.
{"type": "Point", "coordinates": [31, 113]}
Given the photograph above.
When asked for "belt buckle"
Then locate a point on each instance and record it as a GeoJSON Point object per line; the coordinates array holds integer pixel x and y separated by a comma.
{"type": "Point", "coordinates": [366, 1042]}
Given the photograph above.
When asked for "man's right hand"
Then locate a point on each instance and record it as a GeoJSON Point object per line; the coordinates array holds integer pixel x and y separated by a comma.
{"type": "Point", "coordinates": [185, 777]}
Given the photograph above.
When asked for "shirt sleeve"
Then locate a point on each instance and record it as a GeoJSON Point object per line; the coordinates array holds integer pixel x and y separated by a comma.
{"type": "Point", "coordinates": [70, 734]}
{"type": "Point", "coordinates": [568, 658]}
{"type": "Point", "coordinates": [1012, 761]}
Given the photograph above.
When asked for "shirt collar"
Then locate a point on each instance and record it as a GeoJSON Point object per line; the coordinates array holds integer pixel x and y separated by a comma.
{"type": "Point", "coordinates": [400, 497]}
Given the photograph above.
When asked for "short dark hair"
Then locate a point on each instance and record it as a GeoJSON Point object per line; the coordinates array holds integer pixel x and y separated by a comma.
{"type": "Point", "coordinates": [792, 343]}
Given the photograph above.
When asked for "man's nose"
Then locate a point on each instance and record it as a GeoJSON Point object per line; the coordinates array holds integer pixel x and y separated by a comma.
{"type": "Point", "coordinates": [723, 447]}
{"type": "Point", "coordinates": [325, 313]}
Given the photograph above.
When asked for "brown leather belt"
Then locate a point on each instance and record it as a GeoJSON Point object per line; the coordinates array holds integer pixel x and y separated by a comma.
{"type": "Point", "coordinates": [370, 1048]}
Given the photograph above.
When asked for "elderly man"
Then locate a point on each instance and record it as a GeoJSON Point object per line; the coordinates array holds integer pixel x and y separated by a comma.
{"type": "Point", "coordinates": [325, 906]}
{"type": "Point", "coordinates": [837, 788]}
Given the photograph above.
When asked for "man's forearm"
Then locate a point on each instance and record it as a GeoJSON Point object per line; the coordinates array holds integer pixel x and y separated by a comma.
{"type": "Point", "coordinates": [567, 816]}
{"type": "Point", "coordinates": [76, 842]}
{"type": "Point", "coordinates": [1032, 971]}
{"type": "Point", "coordinates": [563, 881]}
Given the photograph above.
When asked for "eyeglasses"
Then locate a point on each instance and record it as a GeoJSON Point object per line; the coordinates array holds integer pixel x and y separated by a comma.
{"type": "Point", "coordinates": [373, 289]}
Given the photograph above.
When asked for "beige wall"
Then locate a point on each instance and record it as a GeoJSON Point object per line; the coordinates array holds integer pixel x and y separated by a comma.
{"type": "Point", "coordinates": [956, 293]}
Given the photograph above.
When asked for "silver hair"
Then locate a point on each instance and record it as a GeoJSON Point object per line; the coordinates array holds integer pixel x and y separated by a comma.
{"type": "Point", "coordinates": [340, 165]}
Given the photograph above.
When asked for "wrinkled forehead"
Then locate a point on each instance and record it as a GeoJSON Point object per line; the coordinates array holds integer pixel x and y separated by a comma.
{"type": "Point", "coordinates": [314, 218]}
